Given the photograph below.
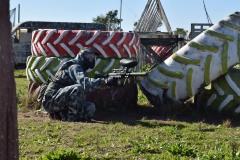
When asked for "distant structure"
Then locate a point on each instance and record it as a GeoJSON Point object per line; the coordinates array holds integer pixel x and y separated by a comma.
{"type": "Point", "coordinates": [198, 28]}
{"type": "Point", "coordinates": [13, 16]}
{"type": "Point", "coordinates": [152, 17]}
{"type": "Point", "coordinates": [156, 46]}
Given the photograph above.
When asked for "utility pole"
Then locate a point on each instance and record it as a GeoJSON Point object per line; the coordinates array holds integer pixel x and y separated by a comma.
{"type": "Point", "coordinates": [18, 13]}
{"type": "Point", "coordinates": [8, 99]}
{"type": "Point", "coordinates": [120, 13]}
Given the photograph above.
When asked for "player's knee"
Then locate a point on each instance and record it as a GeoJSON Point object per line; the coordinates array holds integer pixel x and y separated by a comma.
{"type": "Point", "coordinates": [88, 110]}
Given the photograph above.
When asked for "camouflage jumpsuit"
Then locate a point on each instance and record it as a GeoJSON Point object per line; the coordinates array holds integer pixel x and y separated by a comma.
{"type": "Point", "coordinates": [65, 95]}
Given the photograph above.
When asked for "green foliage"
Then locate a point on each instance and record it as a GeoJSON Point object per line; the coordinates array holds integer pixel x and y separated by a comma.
{"type": "Point", "coordinates": [146, 67]}
{"type": "Point", "coordinates": [181, 148]}
{"type": "Point", "coordinates": [147, 139]}
{"type": "Point", "coordinates": [146, 145]}
{"type": "Point", "coordinates": [110, 20]}
{"type": "Point", "coordinates": [20, 73]}
{"type": "Point", "coordinates": [180, 31]}
{"type": "Point", "coordinates": [62, 154]}
{"type": "Point", "coordinates": [21, 88]}
{"type": "Point", "coordinates": [24, 100]}
{"type": "Point", "coordinates": [142, 99]}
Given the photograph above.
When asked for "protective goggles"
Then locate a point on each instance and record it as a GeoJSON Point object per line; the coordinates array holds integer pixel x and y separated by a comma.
{"type": "Point", "coordinates": [91, 57]}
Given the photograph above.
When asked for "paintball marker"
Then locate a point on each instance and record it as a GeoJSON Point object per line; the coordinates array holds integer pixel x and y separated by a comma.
{"type": "Point", "coordinates": [124, 72]}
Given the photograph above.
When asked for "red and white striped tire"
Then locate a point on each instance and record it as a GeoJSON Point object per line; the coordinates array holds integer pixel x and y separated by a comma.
{"type": "Point", "coordinates": [40, 68]}
{"type": "Point", "coordinates": [162, 51]}
{"type": "Point", "coordinates": [58, 43]}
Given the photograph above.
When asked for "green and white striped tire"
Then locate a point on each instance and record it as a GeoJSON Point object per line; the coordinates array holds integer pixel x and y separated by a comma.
{"type": "Point", "coordinates": [40, 68]}
{"type": "Point", "coordinates": [223, 96]}
{"type": "Point", "coordinates": [198, 63]}
{"type": "Point", "coordinates": [104, 66]}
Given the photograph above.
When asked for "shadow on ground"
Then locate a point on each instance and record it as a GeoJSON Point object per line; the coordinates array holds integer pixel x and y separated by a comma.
{"type": "Point", "coordinates": [140, 114]}
{"type": "Point", "coordinates": [144, 115]}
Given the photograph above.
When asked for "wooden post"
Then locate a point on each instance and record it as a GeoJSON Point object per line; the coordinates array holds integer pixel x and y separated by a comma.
{"type": "Point", "coordinates": [8, 101]}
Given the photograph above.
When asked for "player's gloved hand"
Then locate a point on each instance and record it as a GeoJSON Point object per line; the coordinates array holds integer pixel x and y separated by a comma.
{"type": "Point", "coordinates": [111, 81]}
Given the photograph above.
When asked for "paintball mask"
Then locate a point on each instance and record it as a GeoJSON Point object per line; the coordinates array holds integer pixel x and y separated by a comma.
{"type": "Point", "coordinates": [88, 57]}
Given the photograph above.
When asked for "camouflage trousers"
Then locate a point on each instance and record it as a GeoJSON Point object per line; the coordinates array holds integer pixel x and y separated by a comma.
{"type": "Point", "coordinates": [68, 104]}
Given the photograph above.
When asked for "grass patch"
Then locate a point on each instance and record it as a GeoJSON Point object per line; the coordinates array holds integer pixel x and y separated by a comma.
{"type": "Point", "coordinates": [21, 88]}
{"type": "Point", "coordinates": [122, 141]}
{"type": "Point", "coordinates": [137, 134]}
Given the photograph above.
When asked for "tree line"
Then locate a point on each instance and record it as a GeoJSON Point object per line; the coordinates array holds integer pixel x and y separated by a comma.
{"type": "Point", "coordinates": [112, 22]}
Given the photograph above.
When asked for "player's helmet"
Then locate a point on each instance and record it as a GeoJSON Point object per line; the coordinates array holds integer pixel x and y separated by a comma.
{"type": "Point", "coordinates": [88, 57]}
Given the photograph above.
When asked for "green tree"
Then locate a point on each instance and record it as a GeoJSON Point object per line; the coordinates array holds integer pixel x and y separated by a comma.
{"type": "Point", "coordinates": [110, 20]}
{"type": "Point", "coordinates": [181, 31]}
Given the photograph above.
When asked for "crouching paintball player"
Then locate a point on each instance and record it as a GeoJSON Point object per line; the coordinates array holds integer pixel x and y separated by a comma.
{"type": "Point", "coordinates": [64, 97]}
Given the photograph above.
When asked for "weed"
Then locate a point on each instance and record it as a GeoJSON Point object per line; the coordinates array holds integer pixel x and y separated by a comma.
{"type": "Point", "coordinates": [234, 150]}
{"type": "Point", "coordinates": [61, 154]}
{"type": "Point", "coordinates": [144, 147]}
{"type": "Point", "coordinates": [227, 123]}
{"type": "Point", "coordinates": [180, 148]}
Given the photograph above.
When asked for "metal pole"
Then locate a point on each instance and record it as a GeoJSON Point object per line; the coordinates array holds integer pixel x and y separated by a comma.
{"type": "Point", "coordinates": [18, 13]}
{"type": "Point", "coordinates": [120, 13]}
{"type": "Point", "coordinates": [8, 99]}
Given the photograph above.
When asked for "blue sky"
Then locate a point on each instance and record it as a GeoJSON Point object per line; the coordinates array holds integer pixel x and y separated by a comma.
{"type": "Point", "coordinates": [180, 13]}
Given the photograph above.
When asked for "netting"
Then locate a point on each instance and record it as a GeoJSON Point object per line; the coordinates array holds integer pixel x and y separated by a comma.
{"type": "Point", "coordinates": [13, 16]}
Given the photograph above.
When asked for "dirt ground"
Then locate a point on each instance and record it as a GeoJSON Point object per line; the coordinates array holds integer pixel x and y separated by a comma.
{"type": "Point", "coordinates": [133, 115]}
{"type": "Point", "coordinates": [130, 116]}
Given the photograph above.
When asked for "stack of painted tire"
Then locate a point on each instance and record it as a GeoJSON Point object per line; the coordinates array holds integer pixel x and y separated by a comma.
{"type": "Point", "coordinates": [51, 48]}
{"type": "Point", "coordinates": [223, 96]}
{"type": "Point", "coordinates": [199, 63]}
